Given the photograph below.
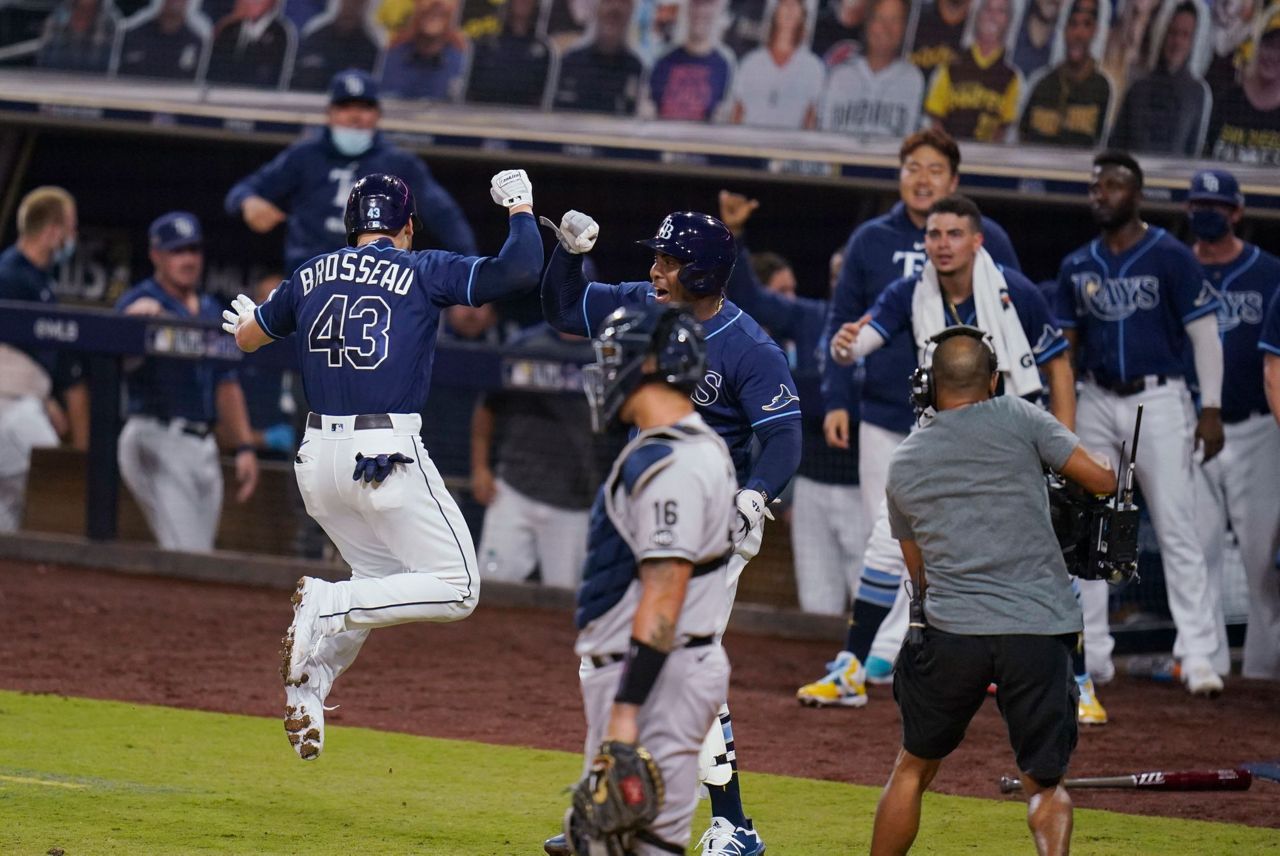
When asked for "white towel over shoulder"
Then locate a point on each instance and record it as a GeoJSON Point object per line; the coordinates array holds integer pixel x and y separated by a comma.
{"type": "Point", "coordinates": [996, 317]}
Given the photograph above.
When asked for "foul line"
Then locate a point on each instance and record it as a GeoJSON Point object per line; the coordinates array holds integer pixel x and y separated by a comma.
{"type": "Point", "coordinates": [24, 780]}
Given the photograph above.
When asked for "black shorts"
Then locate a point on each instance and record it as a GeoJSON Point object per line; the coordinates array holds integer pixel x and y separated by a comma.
{"type": "Point", "coordinates": [940, 685]}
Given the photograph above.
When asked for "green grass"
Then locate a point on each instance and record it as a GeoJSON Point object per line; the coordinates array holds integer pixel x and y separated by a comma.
{"type": "Point", "coordinates": [97, 777]}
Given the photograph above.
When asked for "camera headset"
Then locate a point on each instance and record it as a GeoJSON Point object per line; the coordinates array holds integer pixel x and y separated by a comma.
{"type": "Point", "coordinates": [924, 392]}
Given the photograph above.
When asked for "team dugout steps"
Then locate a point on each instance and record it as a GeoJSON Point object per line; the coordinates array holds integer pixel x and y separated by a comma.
{"type": "Point", "coordinates": [515, 136]}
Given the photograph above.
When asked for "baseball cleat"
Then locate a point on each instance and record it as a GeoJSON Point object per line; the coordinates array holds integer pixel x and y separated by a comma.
{"type": "Point", "coordinates": [725, 839]}
{"type": "Point", "coordinates": [304, 633]}
{"type": "Point", "coordinates": [845, 685]}
{"type": "Point", "coordinates": [304, 720]}
{"type": "Point", "coordinates": [1201, 679]}
{"type": "Point", "coordinates": [556, 845]}
{"type": "Point", "coordinates": [1089, 711]}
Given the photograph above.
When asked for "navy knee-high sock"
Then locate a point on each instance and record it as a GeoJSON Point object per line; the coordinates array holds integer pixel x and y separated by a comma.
{"type": "Point", "coordinates": [876, 593]}
{"type": "Point", "coordinates": [726, 801]}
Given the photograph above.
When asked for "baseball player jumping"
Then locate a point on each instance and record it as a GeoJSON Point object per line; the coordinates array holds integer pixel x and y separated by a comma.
{"type": "Point", "coordinates": [654, 588]}
{"type": "Point", "coordinates": [1242, 484]}
{"type": "Point", "coordinates": [366, 320]}
{"type": "Point", "coordinates": [1131, 299]}
{"type": "Point", "coordinates": [747, 392]}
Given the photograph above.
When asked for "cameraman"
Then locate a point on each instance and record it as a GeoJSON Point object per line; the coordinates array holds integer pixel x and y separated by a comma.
{"type": "Point", "coordinates": [967, 501]}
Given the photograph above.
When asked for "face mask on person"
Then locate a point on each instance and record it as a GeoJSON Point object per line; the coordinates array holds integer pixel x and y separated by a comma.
{"type": "Point", "coordinates": [1209, 224]}
{"type": "Point", "coordinates": [66, 252]}
{"type": "Point", "coordinates": [351, 142]}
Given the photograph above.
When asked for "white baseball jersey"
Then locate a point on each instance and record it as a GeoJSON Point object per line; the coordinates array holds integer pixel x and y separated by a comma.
{"type": "Point", "coordinates": [778, 96]}
{"type": "Point", "coordinates": [865, 103]}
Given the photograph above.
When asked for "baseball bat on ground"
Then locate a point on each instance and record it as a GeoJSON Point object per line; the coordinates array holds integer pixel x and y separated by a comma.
{"type": "Point", "coordinates": [1238, 779]}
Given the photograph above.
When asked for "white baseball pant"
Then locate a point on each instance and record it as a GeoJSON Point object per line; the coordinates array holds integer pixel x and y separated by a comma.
{"type": "Point", "coordinates": [176, 479]}
{"type": "Point", "coordinates": [1104, 420]}
{"type": "Point", "coordinates": [407, 543]}
{"type": "Point", "coordinates": [673, 721]}
{"type": "Point", "coordinates": [521, 533]}
{"type": "Point", "coordinates": [828, 533]}
{"type": "Point", "coordinates": [875, 448]}
{"type": "Point", "coordinates": [1241, 486]}
{"type": "Point", "coordinates": [24, 426]}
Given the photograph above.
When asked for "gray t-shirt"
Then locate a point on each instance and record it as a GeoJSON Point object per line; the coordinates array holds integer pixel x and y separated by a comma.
{"type": "Point", "coordinates": [969, 489]}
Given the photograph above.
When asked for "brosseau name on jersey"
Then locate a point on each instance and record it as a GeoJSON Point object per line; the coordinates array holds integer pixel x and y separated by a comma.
{"type": "Point", "coordinates": [354, 267]}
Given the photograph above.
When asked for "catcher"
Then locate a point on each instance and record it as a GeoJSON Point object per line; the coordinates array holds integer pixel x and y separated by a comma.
{"type": "Point", "coordinates": [653, 673]}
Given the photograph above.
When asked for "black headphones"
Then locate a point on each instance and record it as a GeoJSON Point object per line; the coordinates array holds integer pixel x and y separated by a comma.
{"type": "Point", "coordinates": [924, 394]}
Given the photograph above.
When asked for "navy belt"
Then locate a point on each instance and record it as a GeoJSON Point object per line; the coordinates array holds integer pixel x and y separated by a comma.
{"type": "Point", "coordinates": [1237, 417]}
{"type": "Point", "coordinates": [603, 660]}
{"type": "Point", "coordinates": [1131, 387]}
{"type": "Point", "coordinates": [364, 422]}
{"type": "Point", "coordinates": [186, 426]}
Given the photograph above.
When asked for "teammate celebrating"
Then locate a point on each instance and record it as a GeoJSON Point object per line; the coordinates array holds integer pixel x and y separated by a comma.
{"type": "Point", "coordinates": [1242, 484]}
{"type": "Point", "coordinates": [366, 319]}
{"type": "Point", "coordinates": [878, 252]}
{"type": "Point", "coordinates": [654, 590]}
{"type": "Point", "coordinates": [1130, 300]}
{"type": "Point", "coordinates": [747, 391]}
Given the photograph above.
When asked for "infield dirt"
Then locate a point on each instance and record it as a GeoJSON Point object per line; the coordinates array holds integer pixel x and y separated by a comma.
{"type": "Point", "coordinates": [509, 676]}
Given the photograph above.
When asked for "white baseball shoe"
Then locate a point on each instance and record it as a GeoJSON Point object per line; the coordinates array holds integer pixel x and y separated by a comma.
{"type": "Point", "coordinates": [303, 635]}
{"type": "Point", "coordinates": [1200, 678]}
{"type": "Point", "coordinates": [725, 839]}
{"type": "Point", "coordinates": [304, 720]}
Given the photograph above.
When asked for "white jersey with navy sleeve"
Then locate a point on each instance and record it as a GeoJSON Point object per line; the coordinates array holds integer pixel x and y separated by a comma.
{"type": "Point", "coordinates": [366, 319]}
{"type": "Point", "coordinates": [1131, 309]}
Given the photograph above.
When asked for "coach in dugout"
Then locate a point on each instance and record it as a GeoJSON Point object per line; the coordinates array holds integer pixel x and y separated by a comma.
{"type": "Point", "coordinates": [968, 505]}
{"type": "Point", "coordinates": [312, 179]}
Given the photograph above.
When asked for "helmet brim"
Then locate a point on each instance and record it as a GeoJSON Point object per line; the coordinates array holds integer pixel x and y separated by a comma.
{"type": "Point", "coordinates": [662, 245]}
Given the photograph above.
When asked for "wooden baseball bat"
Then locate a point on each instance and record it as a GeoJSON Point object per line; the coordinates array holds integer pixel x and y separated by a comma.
{"type": "Point", "coordinates": [1238, 779]}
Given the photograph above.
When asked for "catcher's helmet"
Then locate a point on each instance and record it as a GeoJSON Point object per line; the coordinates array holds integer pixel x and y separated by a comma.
{"type": "Point", "coordinates": [703, 243]}
{"type": "Point", "coordinates": [378, 203]}
{"type": "Point", "coordinates": [626, 338]}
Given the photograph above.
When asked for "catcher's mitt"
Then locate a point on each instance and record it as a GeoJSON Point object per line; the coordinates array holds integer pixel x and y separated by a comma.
{"type": "Point", "coordinates": [619, 797]}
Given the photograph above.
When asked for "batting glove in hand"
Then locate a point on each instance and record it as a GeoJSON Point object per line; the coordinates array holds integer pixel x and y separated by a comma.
{"type": "Point", "coordinates": [620, 796]}
{"type": "Point", "coordinates": [752, 508]}
{"type": "Point", "coordinates": [375, 469]}
{"type": "Point", "coordinates": [577, 232]}
{"type": "Point", "coordinates": [240, 312]}
{"type": "Point", "coordinates": [511, 187]}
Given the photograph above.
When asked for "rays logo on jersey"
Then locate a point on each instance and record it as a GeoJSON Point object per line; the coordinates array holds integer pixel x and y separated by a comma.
{"type": "Point", "coordinates": [1239, 307]}
{"type": "Point", "coordinates": [708, 389]}
{"type": "Point", "coordinates": [1115, 298]}
{"type": "Point", "coordinates": [1048, 336]}
{"type": "Point", "coordinates": [781, 400]}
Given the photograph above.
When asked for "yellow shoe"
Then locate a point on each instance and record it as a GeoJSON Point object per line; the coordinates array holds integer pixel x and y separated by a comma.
{"type": "Point", "coordinates": [845, 685]}
{"type": "Point", "coordinates": [1089, 711]}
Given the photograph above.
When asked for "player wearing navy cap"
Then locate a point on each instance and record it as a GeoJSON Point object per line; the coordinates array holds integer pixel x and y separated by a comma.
{"type": "Point", "coordinates": [168, 455]}
{"type": "Point", "coordinates": [747, 394]}
{"type": "Point", "coordinates": [308, 183]}
{"type": "Point", "coordinates": [878, 252]}
{"type": "Point", "coordinates": [1129, 302]}
{"type": "Point", "coordinates": [1242, 484]}
{"type": "Point", "coordinates": [366, 319]}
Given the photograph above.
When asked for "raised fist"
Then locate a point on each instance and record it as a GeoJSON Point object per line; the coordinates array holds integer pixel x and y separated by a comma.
{"type": "Point", "coordinates": [511, 188]}
{"type": "Point", "coordinates": [577, 232]}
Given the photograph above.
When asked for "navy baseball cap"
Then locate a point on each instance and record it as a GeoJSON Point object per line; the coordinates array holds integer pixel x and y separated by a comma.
{"type": "Point", "coordinates": [175, 230]}
{"type": "Point", "coordinates": [353, 85]}
{"type": "Point", "coordinates": [1215, 185]}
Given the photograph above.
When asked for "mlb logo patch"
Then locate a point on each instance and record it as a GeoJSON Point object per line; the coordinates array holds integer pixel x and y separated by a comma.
{"type": "Point", "coordinates": [335, 427]}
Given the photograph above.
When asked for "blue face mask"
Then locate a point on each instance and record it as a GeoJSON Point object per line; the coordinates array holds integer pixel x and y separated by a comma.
{"type": "Point", "coordinates": [1209, 224]}
{"type": "Point", "coordinates": [351, 142]}
{"type": "Point", "coordinates": [65, 253]}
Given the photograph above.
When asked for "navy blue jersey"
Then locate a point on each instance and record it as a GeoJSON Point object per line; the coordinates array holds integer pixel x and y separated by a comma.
{"type": "Point", "coordinates": [1269, 335]}
{"type": "Point", "coordinates": [747, 390]}
{"type": "Point", "coordinates": [1130, 310]}
{"type": "Point", "coordinates": [22, 280]}
{"type": "Point", "coordinates": [176, 389]}
{"type": "Point", "coordinates": [891, 314]}
{"type": "Point", "coordinates": [366, 317]}
{"type": "Point", "coordinates": [878, 252]}
{"type": "Point", "coordinates": [1244, 286]}
{"type": "Point", "coordinates": [311, 181]}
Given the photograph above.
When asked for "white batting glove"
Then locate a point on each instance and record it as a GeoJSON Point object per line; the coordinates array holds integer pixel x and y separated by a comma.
{"type": "Point", "coordinates": [511, 187]}
{"type": "Point", "coordinates": [240, 312]}
{"type": "Point", "coordinates": [577, 232]}
{"type": "Point", "coordinates": [752, 509]}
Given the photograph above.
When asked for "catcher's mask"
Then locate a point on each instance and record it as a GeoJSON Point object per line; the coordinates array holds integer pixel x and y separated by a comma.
{"type": "Point", "coordinates": [627, 338]}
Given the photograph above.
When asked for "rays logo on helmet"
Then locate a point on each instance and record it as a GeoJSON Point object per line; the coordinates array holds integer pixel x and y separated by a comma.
{"type": "Point", "coordinates": [184, 227]}
{"type": "Point", "coordinates": [781, 400]}
{"type": "Point", "coordinates": [666, 230]}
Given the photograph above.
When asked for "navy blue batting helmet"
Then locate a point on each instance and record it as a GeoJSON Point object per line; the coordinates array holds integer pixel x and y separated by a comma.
{"type": "Point", "coordinates": [378, 203]}
{"type": "Point", "coordinates": [626, 339]}
{"type": "Point", "coordinates": [703, 243]}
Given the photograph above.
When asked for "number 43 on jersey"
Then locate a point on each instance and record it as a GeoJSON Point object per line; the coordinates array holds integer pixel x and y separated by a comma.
{"type": "Point", "coordinates": [352, 332]}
